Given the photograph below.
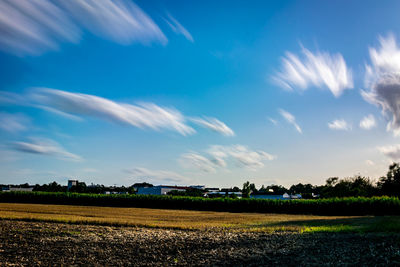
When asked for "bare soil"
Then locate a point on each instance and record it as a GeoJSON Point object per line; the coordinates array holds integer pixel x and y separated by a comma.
{"type": "Point", "coordinates": [56, 244]}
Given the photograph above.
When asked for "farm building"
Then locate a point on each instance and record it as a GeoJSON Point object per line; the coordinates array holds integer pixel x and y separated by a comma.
{"type": "Point", "coordinates": [160, 190]}
{"type": "Point", "coordinates": [72, 183]}
{"type": "Point", "coordinates": [10, 189]}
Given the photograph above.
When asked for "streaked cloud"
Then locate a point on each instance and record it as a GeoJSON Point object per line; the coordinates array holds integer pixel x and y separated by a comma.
{"type": "Point", "coordinates": [13, 122]}
{"type": "Point", "coordinates": [32, 27]}
{"type": "Point", "coordinates": [58, 112]}
{"type": "Point", "coordinates": [318, 69]}
{"type": "Point", "coordinates": [290, 119]}
{"type": "Point", "coordinates": [368, 122]}
{"type": "Point", "coordinates": [156, 175]}
{"type": "Point", "coordinates": [273, 121]}
{"type": "Point", "coordinates": [391, 151]}
{"type": "Point", "coordinates": [177, 28]}
{"type": "Point", "coordinates": [242, 156]}
{"type": "Point", "coordinates": [45, 147]}
{"type": "Point", "coordinates": [121, 21]}
{"type": "Point", "coordinates": [217, 156]}
{"type": "Point", "coordinates": [339, 124]}
{"type": "Point", "coordinates": [37, 26]}
{"type": "Point", "coordinates": [382, 80]}
{"type": "Point", "coordinates": [214, 125]}
{"type": "Point", "coordinates": [10, 98]}
{"type": "Point", "coordinates": [145, 115]}
{"type": "Point", "coordinates": [194, 160]}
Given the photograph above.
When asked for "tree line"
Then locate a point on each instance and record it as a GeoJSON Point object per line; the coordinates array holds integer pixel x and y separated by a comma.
{"type": "Point", "coordinates": [357, 186]}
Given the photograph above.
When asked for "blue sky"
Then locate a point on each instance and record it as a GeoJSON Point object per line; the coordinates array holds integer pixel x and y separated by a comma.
{"type": "Point", "coordinates": [183, 92]}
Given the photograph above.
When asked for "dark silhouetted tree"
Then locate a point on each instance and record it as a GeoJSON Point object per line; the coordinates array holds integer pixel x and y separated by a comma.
{"type": "Point", "coordinates": [390, 185]}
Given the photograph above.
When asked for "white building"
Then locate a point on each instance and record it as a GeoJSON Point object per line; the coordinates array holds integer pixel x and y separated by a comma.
{"type": "Point", "coordinates": [11, 189]}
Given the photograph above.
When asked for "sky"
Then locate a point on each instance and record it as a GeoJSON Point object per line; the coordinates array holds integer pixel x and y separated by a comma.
{"type": "Point", "coordinates": [211, 93]}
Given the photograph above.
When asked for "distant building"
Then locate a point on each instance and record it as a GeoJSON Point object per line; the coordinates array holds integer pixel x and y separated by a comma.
{"type": "Point", "coordinates": [13, 189]}
{"type": "Point", "coordinates": [268, 197]}
{"type": "Point", "coordinates": [214, 193]}
{"type": "Point", "coordinates": [136, 186]}
{"type": "Point", "coordinates": [5, 188]}
{"type": "Point", "coordinates": [212, 189]}
{"type": "Point", "coordinates": [72, 183]}
{"type": "Point", "coordinates": [295, 196]}
{"type": "Point", "coordinates": [285, 196]}
{"type": "Point", "coordinates": [116, 193]}
{"type": "Point", "coordinates": [28, 189]}
{"type": "Point", "coordinates": [160, 189]}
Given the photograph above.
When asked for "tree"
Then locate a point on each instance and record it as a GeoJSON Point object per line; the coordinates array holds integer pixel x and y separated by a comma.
{"type": "Point", "coordinates": [332, 181]}
{"type": "Point", "coordinates": [253, 188]}
{"type": "Point", "coordinates": [276, 189]}
{"type": "Point", "coordinates": [301, 189]}
{"type": "Point", "coordinates": [349, 187]}
{"type": "Point", "coordinates": [246, 190]}
{"type": "Point", "coordinates": [144, 184]}
{"type": "Point", "coordinates": [390, 185]}
{"type": "Point", "coordinates": [235, 189]}
{"type": "Point", "coordinates": [79, 188]}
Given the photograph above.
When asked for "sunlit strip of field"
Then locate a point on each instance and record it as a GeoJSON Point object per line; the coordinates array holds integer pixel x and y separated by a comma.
{"type": "Point", "coordinates": [184, 219]}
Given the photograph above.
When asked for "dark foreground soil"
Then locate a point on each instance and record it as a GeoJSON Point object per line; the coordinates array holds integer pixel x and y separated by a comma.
{"type": "Point", "coordinates": [53, 244]}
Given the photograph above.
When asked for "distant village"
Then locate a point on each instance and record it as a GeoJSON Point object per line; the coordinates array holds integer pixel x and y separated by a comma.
{"type": "Point", "coordinates": [149, 189]}
{"type": "Point", "coordinates": [356, 186]}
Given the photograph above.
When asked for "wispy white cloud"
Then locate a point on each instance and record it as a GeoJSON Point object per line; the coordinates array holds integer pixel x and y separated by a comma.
{"type": "Point", "coordinates": [156, 175]}
{"type": "Point", "coordinates": [45, 147]}
{"type": "Point", "coordinates": [391, 151]}
{"type": "Point", "coordinates": [10, 98]}
{"type": "Point", "coordinates": [121, 21]}
{"type": "Point", "coordinates": [142, 115]}
{"type": "Point", "coordinates": [382, 80]}
{"type": "Point", "coordinates": [214, 125]}
{"type": "Point", "coordinates": [197, 161]}
{"type": "Point", "coordinates": [314, 69]}
{"type": "Point", "coordinates": [290, 119]}
{"type": "Point", "coordinates": [273, 121]}
{"type": "Point", "coordinates": [57, 112]}
{"type": "Point", "coordinates": [177, 28]}
{"type": "Point", "coordinates": [368, 122]}
{"type": "Point", "coordinates": [146, 115]}
{"type": "Point", "coordinates": [217, 157]}
{"type": "Point", "coordinates": [33, 27]}
{"type": "Point", "coordinates": [242, 155]}
{"type": "Point", "coordinates": [339, 124]}
{"type": "Point", "coordinates": [13, 122]}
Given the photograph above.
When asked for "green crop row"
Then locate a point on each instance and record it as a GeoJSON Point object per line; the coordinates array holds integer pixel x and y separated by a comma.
{"type": "Point", "coordinates": [330, 206]}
